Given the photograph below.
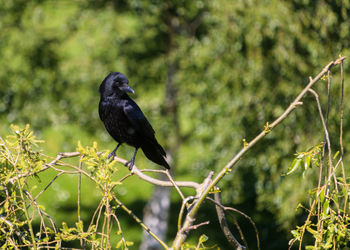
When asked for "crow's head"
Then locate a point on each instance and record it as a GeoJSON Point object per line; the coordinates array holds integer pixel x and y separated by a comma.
{"type": "Point", "coordinates": [115, 82]}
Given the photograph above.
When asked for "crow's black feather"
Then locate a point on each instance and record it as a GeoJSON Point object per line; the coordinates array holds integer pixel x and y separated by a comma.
{"type": "Point", "coordinates": [125, 121]}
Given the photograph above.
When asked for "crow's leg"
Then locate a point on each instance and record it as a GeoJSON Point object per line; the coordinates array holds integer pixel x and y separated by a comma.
{"type": "Point", "coordinates": [131, 163]}
{"type": "Point", "coordinates": [112, 154]}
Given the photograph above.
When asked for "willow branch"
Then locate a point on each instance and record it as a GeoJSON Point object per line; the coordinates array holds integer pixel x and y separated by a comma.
{"type": "Point", "coordinates": [180, 236]}
{"type": "Point", "coordinates": [325, 127]}
{"type": "Point", "coordinates": [47, 166]}
{"type": "Point", "coordinates": [142, 176]}
{"type": "Point", "coordinates": [183, 205]}
{"type": "Point", "coordinates": [174, 184]}
{"type": "Point", "coordinates": [135, 171]}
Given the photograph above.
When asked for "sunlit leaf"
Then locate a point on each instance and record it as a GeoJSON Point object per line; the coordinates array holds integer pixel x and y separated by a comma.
{"type": "Point", "coordinates": [203, 238]}
{"type": "Point", "coordinates": [119, 244]}
{"type": "Point", "coordinates": [294, 166]}
{"type": "Point", "coordinates": [335, 155]}
{"type": "Point", "coordinates": [325, 207]}
{"type": "Point", "coordinates": [322, 194]}
{"type": "Point", "coordinates": [307, 162]}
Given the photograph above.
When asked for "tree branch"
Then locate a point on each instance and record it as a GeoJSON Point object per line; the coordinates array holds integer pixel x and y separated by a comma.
{"type": "Point", "coordinates": [325, 127]}
{"type": "Point", "coordinates": [181, 237]}
{"type": "Point", "coordinates": [142, 176]}
{"type": "Point", "coordinates": [223, 224]}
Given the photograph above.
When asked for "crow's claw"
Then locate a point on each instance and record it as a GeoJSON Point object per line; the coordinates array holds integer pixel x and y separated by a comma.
{"type": "Point", "coordinates": [129, 164]}
{"type": "Point", "coordinates": [111, 155]}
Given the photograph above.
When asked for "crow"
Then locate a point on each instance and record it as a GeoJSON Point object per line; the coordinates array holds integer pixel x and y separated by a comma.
{"type": "Point", "coordinates": [125, 122]}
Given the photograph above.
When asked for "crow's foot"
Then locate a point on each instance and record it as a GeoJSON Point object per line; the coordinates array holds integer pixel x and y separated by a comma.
{"type": "Point", "coordinates": [111, 155]}
{"type": "Point", "coordinates": [129, 164]}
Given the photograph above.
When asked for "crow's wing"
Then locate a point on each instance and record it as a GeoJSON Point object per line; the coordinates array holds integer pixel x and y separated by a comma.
{"type": "Point", "coordinates": [103, 110]}
{"type": "Point", "coordinates": [150, 146]}
{"type": "Point", "coordinates": [138, 119]}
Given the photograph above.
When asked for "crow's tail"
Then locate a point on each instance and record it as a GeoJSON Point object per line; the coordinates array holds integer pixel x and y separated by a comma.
{"type": "Point", "coordinates": [155, 153]}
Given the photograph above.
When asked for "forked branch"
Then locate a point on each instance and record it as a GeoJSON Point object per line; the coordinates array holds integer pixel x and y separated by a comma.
{"type": "Point", "coordinates": [181, 237]}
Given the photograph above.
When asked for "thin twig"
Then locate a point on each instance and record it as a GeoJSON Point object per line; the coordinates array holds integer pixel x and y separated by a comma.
{"type": "Point", "coordinates": [182, 209]}
{"type": "Point", "coordinates": [124, 177]}
{"type": "Point", "coordinates": [25, 210]}
{"type": "Point", "coordinates": [228, 210]}
{"type": "Point", "coordinates": [193, 227]}
{"type": "Point", "coordinates": [120, 231]}
{"type": "Point", "coordinates": [305, 225]}
{"type": "Point", "coordinates": [174, 184]}
{"type": "Point", "coordinates": [47, 186]}
{"type": "Point", "coordinates": [100, 208]}
{"type": "Point", "coordinates": [42, 221]}
{"type": "Point", "coordinates": [41, 212]}
{"type": "Point", "coordinates": [104, 235]}
{"type": "Point", "coordinates": [147, 229]}
{"type": "Point", "coordinates": [331, 172]}
{"type": "Point", "coordinates": [341, 133]}
{"type": "Point", "coordinates": [108, 216]}
{"type": "Point", "coordinates": [223, 224]}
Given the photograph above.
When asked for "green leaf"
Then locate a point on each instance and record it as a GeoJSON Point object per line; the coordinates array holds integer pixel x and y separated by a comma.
{"type": "Point", "coordinates": [203, 238]}
{"type": "Point", "coordinates": [335, 199]}
{"type": "Point", "coordinates": [80, 226]}
{"type": "Point", "coordinates": [65, 227]}
{"type": "Point", "coordinates": [309, 247]}
{"type": "Point", "coordinates": [312, 231]}
{"type": "Point", "coordinates": [336, 154]}
{"type": "Point", "coordinates": [307, 162]}
{"type": "Point", "coordinates": [119, 244]}
{"type": "Point", "coordinates": [294, 166]}
{"type": "Point", "coordinates": [296, 234]}
{"type": "Point", "coordinates": [41, 207]}
{"type": "Point", "coordinates": [325, 207]}
{"type": "Point", "coordinates": [322, 194]}
{"type": "Point", "coordinates": [129, 243]}
{"type": "Point", "coordinates": [340, 179]}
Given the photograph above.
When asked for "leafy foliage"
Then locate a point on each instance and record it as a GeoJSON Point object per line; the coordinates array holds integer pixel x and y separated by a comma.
{"type": "Point", "coordinates": [20, 160]}
{"type": "Point", "coordinates": [306, 159]}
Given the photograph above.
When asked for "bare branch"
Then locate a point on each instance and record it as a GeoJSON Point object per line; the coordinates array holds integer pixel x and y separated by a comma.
{"type": "Point", "coordinates": [324, 124]}
{"type": "Point", "coordinates": [158, 182]}
{"type": "Point", "coordinates": [341, 132]}
{"type": "Point", "coordinates": [174, 184]}
{"type": "Point", "coordinates": [223, 224]}
{"type": "Point", "coordinates": [180, 237]}
{"type": "Point", "coordinates": [193, 227]}
{"type": "Point", "coordinates": [184, 202]}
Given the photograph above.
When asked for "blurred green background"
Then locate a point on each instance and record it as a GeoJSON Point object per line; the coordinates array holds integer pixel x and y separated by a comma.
{"type": "Point", "coordinates": [207, 74]}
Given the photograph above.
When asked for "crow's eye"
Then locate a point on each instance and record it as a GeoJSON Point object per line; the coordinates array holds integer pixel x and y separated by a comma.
{"type": "Point", "coordinates": [116, 83]}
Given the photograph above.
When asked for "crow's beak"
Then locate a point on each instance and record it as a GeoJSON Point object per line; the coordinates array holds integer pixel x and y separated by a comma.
{"type": "Point", "coordinates": [127, 89]}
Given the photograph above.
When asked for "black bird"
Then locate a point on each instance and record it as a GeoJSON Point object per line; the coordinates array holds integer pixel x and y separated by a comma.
{"type": "Point", "coordinates": [125, 121]}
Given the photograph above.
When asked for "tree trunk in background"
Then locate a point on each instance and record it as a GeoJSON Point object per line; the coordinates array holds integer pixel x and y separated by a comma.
{"type": "Point", "coordinates": [156, 212]}
{"type": "Point", "coordinates": [156, 216]}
